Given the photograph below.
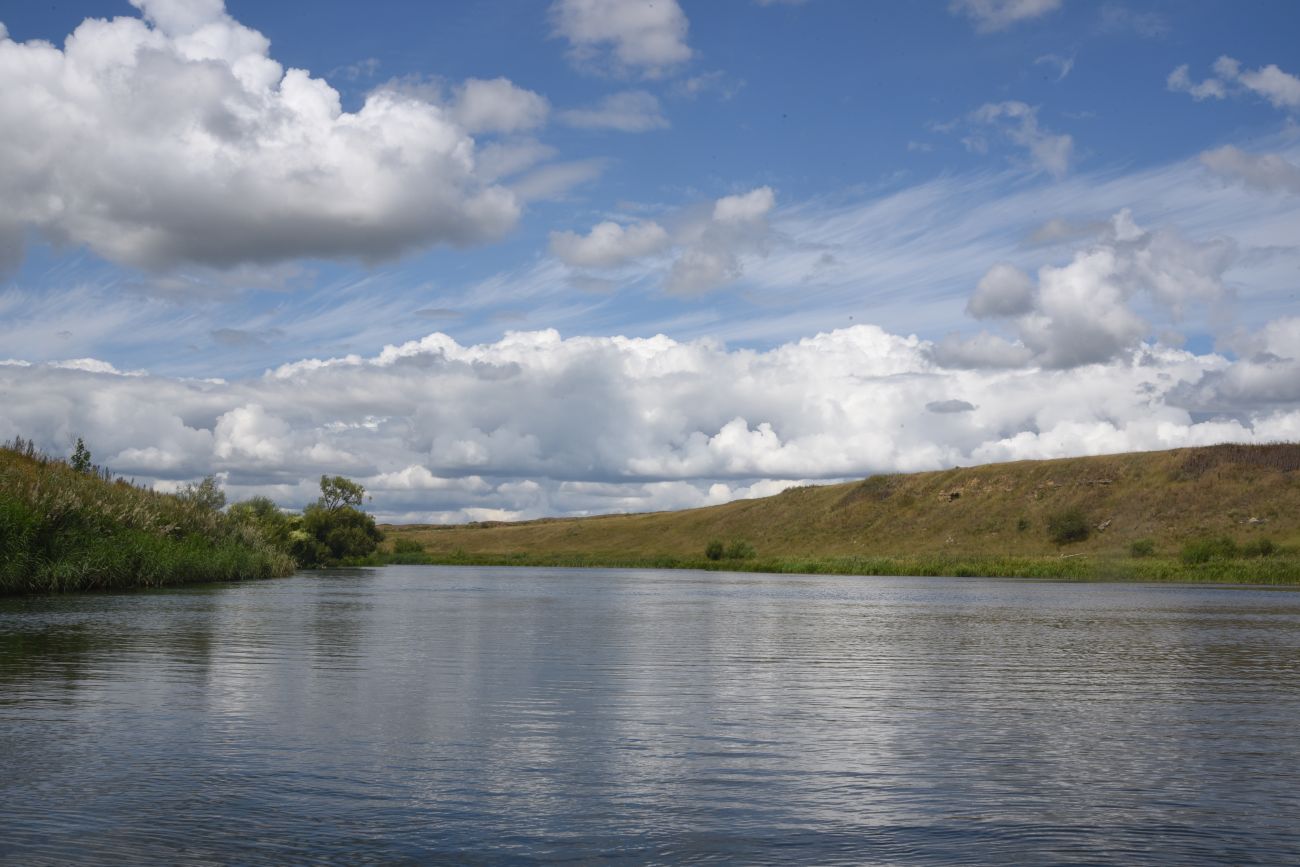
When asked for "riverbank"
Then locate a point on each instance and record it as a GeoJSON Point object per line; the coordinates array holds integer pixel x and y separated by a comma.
{"type": "Point", "coordinates": [1282, 570]}
{"type": "Point", "coordinates": [66, 529]}
{"type": "Point", "coordinates": [1228, 513]}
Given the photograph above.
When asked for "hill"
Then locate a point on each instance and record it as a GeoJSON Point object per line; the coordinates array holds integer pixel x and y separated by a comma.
{"type": "Point", "coordinates": [1225, 512]}
{"type": "Point", "coordinates": [66, 528]}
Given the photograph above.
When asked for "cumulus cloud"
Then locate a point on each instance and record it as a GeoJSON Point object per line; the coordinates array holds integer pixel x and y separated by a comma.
{"type": "Point", "coordinates": [623, 36]}
{"type": "Point", "coordinates": [1004, 291]}
{"type": "Point", "coordinates": [536, 424]}
{"type": "Point", "coordinates": [1080, 313]}
{"type": "Point", "coordinates": [705, 249]}
{"type": "Point", "coordinates": [498, 105]}
{"type": "Point", "coordinates": [989, 16]}
{"type": "Point", "coordinates": [1018, 122]}
{"type": "Point", "coordinates": [177, 138]}
{"type": "Point", "coordinates": [1266, 172]}
{"type": "Point", "coordinates": [609, 244]}
{"type": "Point", "coordinates": [1281, 89]}
{"type": "Point", "coordinates": [714, 249]}
{"type": "Point", "coordinates": [629, 111]}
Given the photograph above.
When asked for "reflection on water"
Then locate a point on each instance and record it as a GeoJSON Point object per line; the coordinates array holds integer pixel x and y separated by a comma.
{"type": "Point", "coordinates": [409, 714]}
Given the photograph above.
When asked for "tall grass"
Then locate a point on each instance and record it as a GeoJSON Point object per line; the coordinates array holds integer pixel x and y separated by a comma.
{"type": "Point", "coordinates": [62, 529]}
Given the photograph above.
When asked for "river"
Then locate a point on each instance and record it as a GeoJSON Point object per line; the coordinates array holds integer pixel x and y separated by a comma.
{"type": "Point", "coordinates": [412, 714]}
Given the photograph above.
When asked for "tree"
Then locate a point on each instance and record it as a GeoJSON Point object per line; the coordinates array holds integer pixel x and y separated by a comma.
{"type": "Point", "coordinates": [80, 460]}
{"type": "Point", "coordinates": [334, 528]}
{"type": "Point", "coordinates": [337, 492]}
{"type": "Point", "coordinates": [206, 495]}
{"type": "Point", "coordinates": [265, 516]}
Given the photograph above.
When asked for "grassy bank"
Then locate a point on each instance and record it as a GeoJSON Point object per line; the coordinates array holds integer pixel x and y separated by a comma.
{"type": "Point", "coordinates": [1273, 570]}
{"type": "Point", "coordinates": [1216, 514]}
{"type": "Point", "coordinates": [78, 529]}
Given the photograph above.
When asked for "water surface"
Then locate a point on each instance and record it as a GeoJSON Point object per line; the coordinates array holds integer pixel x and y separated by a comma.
{"type": "Point", "coordinates": [412, 714]}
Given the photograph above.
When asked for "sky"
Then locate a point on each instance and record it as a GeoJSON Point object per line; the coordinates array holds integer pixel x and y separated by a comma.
{"type": "Point", "coordinates": [507, 260]}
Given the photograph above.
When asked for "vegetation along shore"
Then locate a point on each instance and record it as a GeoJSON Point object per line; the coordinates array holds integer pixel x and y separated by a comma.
{"type": "Point", "coordinates": [1224, 513]}
{"type": "Point", "coordinates": [70, 525]}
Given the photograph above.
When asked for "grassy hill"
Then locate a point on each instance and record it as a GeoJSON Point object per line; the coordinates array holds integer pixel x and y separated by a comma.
{"type": "Point", "coordinates": [1226, 512]}
{"type": "Point", "coordinates": [68, 529]}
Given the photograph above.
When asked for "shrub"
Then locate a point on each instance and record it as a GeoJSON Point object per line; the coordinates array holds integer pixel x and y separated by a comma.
{"type": "Point", "coordinates": [1259, 548]}
{"type": "Point", "coordinates": [1205, 550]}
{"type": "Point", "coordinates": [1068, 526]}
{"type": "Point", "coordinates": [739, 550]}
{"type": "Point", "coordinates": [714, 549]}
{"type": "Point", "coordinates": [407, 546]}
{"type": "Point", "coordinates": [1022, 525]}
{"type": "Point", "coordinates": [1142, 548]}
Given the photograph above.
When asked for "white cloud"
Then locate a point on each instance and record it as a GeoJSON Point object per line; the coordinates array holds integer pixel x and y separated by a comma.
{"type": "Point", "coordinates": [746, 207]}
{"type": "Point", "coordinates": [1281, 89]}
{"type": "Point", "coordinates": [609, 244]}
{"type": "Point", "coordinates": [1004, 291]}
{"type": "Point", "coordinates": [1019, 123]}
{"type": "Point", "coordinates": [704, 250]}
{"type": "Point", "coordinates": [535, 424]}
{"type": "Point", "coordinates": [498, 105]}
{"type": "Point", "coordinates": [992, 15]}
{"type": "Point", "coordinates": [1080, 313]}
{"type": "Point", "coordinates": [178, 138]}
{"type": "Point", "coordinates": [625, 36]}
{"type": "Point", "coordinates": [628, 111]}
{"type": "Point", "coordinates": [1063, 65]}
{"type": "Point", "coordinates": [1266, 172]}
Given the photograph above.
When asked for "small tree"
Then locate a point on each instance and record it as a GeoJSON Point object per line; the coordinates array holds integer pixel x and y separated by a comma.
{"type": "Point", "coordinates": [714, 549]}
{"type": "Point", "coordinates": [1068, 526]}
{"type": "Point", "coordinates": [206, 495]}
{"type": "Point", "coordinates": [337, 492]}
{"type": "Point", "coordinates": [80, 460]}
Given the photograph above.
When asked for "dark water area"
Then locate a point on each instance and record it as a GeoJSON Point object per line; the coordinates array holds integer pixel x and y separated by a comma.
{"type": "Point", "coordinates": [476, 715]}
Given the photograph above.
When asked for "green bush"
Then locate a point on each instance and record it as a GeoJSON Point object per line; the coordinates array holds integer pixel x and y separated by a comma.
{"type": "Point", "coordinates": [407, 546]}
{"type": "Point", "coordinates": [739, 550]}
{"type": "Point", "coordinates": [1259, 548]}
{"type": "Point", "coordinates": [1142, 548]}
{"type": "Point", "coordinates": [1022, 525]}
{"type": "Point", "coordinates": [1069, 526]}
{"type": "Point", "coordinates": [714, 550]}
{"type": "Point", "coordinates": [1205, 550]}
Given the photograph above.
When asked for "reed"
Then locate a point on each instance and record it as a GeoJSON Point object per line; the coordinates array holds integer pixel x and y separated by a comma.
{"type": "Point", "coordinates": [64, 529]}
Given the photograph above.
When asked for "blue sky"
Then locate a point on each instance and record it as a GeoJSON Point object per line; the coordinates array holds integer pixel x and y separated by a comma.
{"type": "Point", "coordinates": [1029, 191]}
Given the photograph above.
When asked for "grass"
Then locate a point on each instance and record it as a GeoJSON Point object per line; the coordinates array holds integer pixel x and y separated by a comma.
{"type": "Point", "coordinates": [63, 529]}
{"type": "Point", "coordinates": [1140, 511]}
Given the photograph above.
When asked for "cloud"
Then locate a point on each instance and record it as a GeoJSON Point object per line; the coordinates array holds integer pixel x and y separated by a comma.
{"type": "Point", "coordinates": [609, 244]}
{"type": "Point", "coordinates": [629, 111]}
{"type": "Point", "coordinates": [990, 16]}
{"type": "Point", "coordinates": [1004, 291]}
{"type": "Point", "coordinates": [717, 82]}
{"type": "Point", "coordinates": [713, 249]}
{"type": "Point", "coordinates": [950, 406]}
{"type": "Point", "coordinates": [1121, 19]}
{"type": "Point", "coordinates": [554, 180]}
{"type": "Point", "coordinates": [1019, 123]}
{"type": "Point", "coordinates": [1080, 313]}
{"type": "Point", "coordinates": [703, 250]}
{"type": "Point", "coordinates": [627, 37]}
{"type": "Point", "coordinates": [1266, 172]}
{"type": "Point", "coordinates": [498, 105]}
{"type": "Point", "coordinates": [177, 138]}
{"type": "Point", "coordinates": [535, 424]}
{"type": "Point", "coordinates": [1280, 88]}
{"type": "Point", "coordinates": [1063, 65]}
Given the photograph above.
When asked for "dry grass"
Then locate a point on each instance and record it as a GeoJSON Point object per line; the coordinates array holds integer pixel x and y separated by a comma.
{"type": "Point", "coordinates": [995, 512]}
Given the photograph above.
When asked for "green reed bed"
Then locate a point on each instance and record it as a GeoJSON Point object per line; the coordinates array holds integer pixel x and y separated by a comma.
{"type": "Point", "coordinates": [1283, 568]}
{"type": "Point", "coordinates": [65, 529]}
